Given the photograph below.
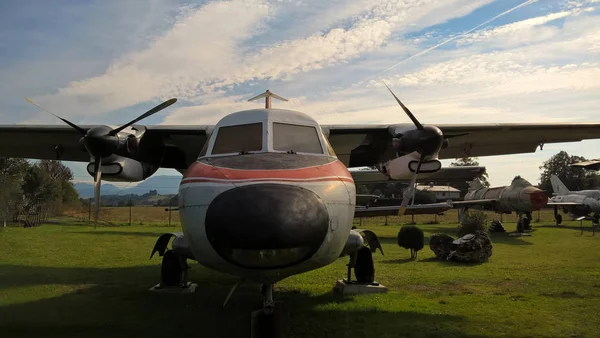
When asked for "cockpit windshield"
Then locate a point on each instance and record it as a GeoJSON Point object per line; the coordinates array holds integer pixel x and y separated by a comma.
{"type": "Point", "coordinates": [296, 138]}
{"type": "Point", "coordinates": [239, 139]}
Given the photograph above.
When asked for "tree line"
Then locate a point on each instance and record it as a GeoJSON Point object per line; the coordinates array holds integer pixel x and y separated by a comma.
{"type": "Point", "coordinates": [33, 191]}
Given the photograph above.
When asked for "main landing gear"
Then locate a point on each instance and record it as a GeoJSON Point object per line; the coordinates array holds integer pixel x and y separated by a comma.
{"type": "Point", "coordinates": [557, 216]}
{"type": "Point", "coordinates": [267, 322]}
{"type": "Point", "coordinates": [174, 267]}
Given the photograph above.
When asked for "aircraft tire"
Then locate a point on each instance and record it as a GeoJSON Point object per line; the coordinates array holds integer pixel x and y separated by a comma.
{"type": "Point", "coordinates": [526, 224]}
{"type": "Point", "coordinates": [267, 325]}
{"type": "Point", "coordinates": [520, 226]}
{"type": "Point", "coordinates": [558, 219]}
{"type": "Point", "coordinates": [171, 270]}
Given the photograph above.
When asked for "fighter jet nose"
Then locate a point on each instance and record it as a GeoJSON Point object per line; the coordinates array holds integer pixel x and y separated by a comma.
{"type": "Point", "coordinates": [266, 225]}
{"type": "Point", "coordinates": [538, 199]}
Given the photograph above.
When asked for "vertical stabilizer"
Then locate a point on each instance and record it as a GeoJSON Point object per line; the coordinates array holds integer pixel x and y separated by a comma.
{"type": "Point", "coordinates": [475, 184]}
{"type": "Point", "coordinates": [558, 186]}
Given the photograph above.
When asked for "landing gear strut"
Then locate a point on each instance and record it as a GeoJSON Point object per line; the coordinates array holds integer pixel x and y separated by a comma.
{"type": "Point", "coordinates": [557, 216]}
{"type": "Point", "coordinates": [266, 322]}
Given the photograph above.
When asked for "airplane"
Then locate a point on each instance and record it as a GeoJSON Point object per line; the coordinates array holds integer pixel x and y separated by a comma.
{"type": "Point", "coordinates": [266, 193]}
{"type": "Point", "coordinates": [593, 164]}
{"type": "Point", "coordinates": [576, 203]}
{"type": "Point", "coordinates": [520, 196]}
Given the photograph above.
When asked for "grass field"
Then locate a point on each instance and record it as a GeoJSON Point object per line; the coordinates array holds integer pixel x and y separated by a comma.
{"type": "Point", "coordinates": [74, 281]}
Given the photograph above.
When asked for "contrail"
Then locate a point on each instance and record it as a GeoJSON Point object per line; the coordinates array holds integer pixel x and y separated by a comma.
{"type": "Point", "coordinates": [456, 37]}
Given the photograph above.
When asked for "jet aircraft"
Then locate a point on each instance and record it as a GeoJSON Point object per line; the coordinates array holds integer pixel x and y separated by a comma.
{"type": "Point", "coordinates": [266, 193]}
{"type": "Point", "coordinates": [575, 203]}
{"type": "Point", "coordinates": [520, 196]}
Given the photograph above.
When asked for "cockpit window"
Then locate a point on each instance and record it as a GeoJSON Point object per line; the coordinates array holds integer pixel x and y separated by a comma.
{"type": "Point", "coordinates": [299, 139]}
{"type": "Point", "coordinates": [239, 139]}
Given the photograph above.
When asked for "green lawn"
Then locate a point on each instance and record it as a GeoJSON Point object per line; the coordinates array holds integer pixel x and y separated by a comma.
{"type": "Point", "coordinates": [74, 281]}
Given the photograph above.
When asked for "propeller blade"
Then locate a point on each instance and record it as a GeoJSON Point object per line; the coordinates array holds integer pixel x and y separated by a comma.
{"type": "Point", "coordinates": [410, 115]}
{"type": "Point", "coordinates": [76, 127]}
{"type": "Point", "coordinates": [143, 116]}
{"type": "Point", "coordinates": [409, 191]}
{"type": "Point", "coordinates": [97, 180]}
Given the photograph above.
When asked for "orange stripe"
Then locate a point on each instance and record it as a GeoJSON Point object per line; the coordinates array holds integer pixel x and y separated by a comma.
{"type": "Point", "coordinates": [208, 180]}
{"type": "Point", "coordinates": [202, 170]}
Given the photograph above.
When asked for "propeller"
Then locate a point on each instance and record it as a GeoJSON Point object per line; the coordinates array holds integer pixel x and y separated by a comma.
{"type": "Point", "coordinates": [103, 141]}
{"type": "Point", "coordinates": [425, 140]}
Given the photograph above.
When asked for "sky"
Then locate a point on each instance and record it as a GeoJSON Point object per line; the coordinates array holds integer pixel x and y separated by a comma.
{"type": "Point", "coordinates": [452, 61]}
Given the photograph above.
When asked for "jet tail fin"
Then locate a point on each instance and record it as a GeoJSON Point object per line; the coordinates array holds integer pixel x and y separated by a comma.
{"type": "Point", "coordinates": [558, 186]}
{"type": "Point", "coordinates": [475, 184]}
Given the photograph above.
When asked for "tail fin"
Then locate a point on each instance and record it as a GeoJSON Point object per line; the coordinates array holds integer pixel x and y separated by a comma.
{"type": "Point", "coordinates": [475, 184]}
{"type": "Point", "coordinates": [558, 186]}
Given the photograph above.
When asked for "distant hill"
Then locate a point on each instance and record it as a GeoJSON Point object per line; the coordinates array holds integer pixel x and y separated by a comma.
{"type": "Point", "coordinates": [164, 184]}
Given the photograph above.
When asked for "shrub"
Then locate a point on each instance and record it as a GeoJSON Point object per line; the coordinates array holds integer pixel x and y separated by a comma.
{"type": "Point", "coordinates": [411, 237]}
{"type": "Point", "coordinates": [472, 222]}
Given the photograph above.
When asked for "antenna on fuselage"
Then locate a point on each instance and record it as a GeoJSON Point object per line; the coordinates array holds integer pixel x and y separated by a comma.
{"type": "Point", "coordinates": [267, 95]}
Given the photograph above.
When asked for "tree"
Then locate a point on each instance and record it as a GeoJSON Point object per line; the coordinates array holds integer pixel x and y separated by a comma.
{"type": "Point", "coordinates": [11, 178]}
{"type": "Point", "coordinates": [574, 178]}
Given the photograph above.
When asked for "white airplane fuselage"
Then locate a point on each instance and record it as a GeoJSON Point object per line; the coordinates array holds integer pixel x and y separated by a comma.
{"type": "Point", "coordinates": [253, 208]}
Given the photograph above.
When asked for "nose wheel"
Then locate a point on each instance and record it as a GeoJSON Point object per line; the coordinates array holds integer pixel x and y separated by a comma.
{"type": "Point", "coordinates": [524, 223]}
{"type": "Point", "coordinates": [266, 322]}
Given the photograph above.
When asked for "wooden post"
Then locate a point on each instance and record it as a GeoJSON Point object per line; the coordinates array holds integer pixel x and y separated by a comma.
{"type": "Point", "coordinates": [130, 205]}
{"type": "Point", "coordinates": [386, 220]}
{"type": "Point", "coordinates": [169, 212]}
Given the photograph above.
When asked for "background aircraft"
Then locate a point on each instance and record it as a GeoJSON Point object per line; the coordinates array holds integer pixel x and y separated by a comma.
{"type": "Point", "coordinates": [576, 203]}
{"type": "Point", "coordinates": [593, 164]}
{"type": "Point", "coordinates": [282, 173]}
{"type": "Point", "coordinates": [520, 197]}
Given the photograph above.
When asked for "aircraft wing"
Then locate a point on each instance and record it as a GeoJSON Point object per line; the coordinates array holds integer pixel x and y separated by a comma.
{"type": "Point", "coordinates": [444, 175]}
{"type": "Point", "coordinates": [418, 209]}
{"type": "Point", "coordinates": [356, 145]}
{"type": "Point", "coordinates": [564, 204]}
{"type": "Point", "coordinates": [364, 145]}
{"type": "Point", "coordinates": [591, 164]}
{"type": "Point", "coordinates": [168, 146]}
{"type": "Point", "coordinates": [471, 203]}
{"type": "Point", "coordinates": [362, 199]}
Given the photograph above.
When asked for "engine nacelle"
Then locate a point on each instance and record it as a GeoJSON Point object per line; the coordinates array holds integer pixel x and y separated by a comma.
{"type": "Point", "coordinates": [403, 167]}
{"type": "Point", "coordinates": [123, 169]}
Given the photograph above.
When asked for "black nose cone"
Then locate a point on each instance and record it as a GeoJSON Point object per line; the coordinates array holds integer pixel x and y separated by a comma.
{"type": "Point", "coordinates": [267, 225]}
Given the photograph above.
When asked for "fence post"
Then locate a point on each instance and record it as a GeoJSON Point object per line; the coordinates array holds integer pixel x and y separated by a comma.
{"type": "Point", "coordinates": [130, 205]}
{"type": "Point", "coordinates": [169, 212]}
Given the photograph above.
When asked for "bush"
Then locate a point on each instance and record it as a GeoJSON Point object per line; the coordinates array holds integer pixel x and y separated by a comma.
{"type": "Point", "coordinates": [411, 237]}
{"type": "Point", "coordinates": [473, 221]}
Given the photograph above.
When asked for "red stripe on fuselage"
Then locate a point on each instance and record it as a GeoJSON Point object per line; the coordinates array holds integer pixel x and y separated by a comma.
{"type": "Point", "coordinates": [203, 171]}
{"type": "Point", "coordinates": [306, 180]}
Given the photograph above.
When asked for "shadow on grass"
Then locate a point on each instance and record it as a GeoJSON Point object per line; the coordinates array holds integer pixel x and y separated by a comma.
{"type": "Point", "coordinates": [124, 233]}
{"type": "Point", "coordinates": [398, 261]}
{"type": "Point", "coordinates": [586, 228]}
{"type": "Point", "coordinates": [504, 238]}
{"type": "Point", "coordinates": [115, 302]}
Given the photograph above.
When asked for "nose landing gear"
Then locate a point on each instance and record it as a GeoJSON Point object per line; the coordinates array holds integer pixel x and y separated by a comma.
{"type": "Point", "coordinates": [524, 223]}
{"type": "Point", "coordinates": [267, 322]}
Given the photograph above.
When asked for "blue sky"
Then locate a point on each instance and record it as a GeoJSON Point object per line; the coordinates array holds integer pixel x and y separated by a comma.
{"type": "Point", "coordinates": [108, 61]}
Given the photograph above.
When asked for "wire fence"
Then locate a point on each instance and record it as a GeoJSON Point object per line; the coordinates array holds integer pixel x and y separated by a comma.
{"type": "Point", "coordinates": [169, 216]}
{"type": "Point", "coordinates": [128, 215]}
